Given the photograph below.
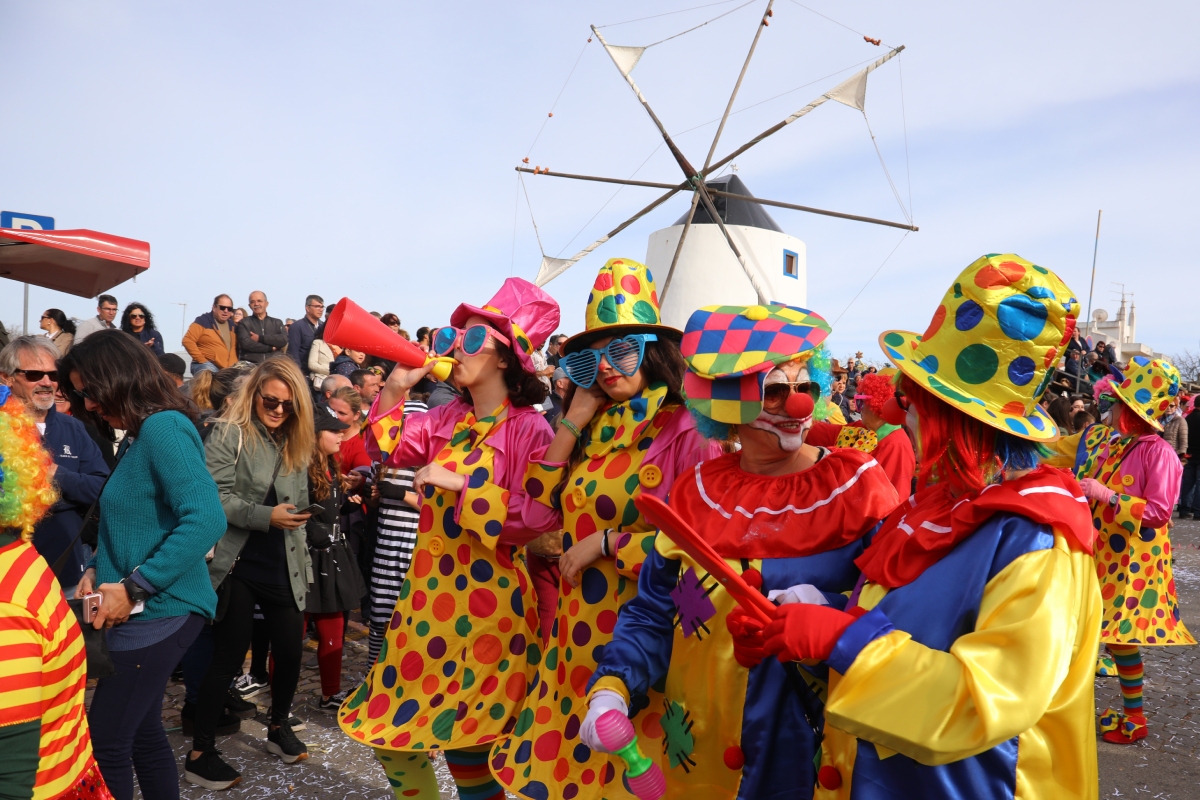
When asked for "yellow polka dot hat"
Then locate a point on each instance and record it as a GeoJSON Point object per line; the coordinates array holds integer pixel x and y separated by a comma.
{"type": "Point", "coordinates": [623, 300]}
{"type": "Point", "coordinates": [990, 347]}
{"type": "Point", "coordinates": [1148, 386]}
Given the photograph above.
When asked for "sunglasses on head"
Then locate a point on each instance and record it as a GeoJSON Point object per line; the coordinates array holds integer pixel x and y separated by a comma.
{"type": "Point", "coordinates": [472, 339]}
{"type": "Point", "coordinates": [225, 308]}
{"type": "Point", "coordinates": [624, 355]}
{"type": "Point", "coordinates": [776, 394]}
{"type": "Point", "coordinates": [35, 375]}
{"type": "Point", "coordinates": [272, 403]}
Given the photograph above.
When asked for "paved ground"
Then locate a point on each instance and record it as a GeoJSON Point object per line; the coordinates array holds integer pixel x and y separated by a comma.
{"type": "Point", "coordinates": [1164, 765]}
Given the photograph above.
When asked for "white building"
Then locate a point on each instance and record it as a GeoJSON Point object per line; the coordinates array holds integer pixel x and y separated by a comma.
{"type": "Point", "coordinates": [1120, 332]}
{"type": "Point", "coordinates": [708, 273]}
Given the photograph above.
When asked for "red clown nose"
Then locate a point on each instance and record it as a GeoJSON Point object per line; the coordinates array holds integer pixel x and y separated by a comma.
{"type": "Point", "coordinates": [799, 406]}
{"type": "Point", "coordinates": [893, 412]}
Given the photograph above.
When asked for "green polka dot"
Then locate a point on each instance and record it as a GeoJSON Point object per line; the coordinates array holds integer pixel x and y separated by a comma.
{"type": "Point", "coordinates": [644, 312]}
{"type": "Point", "coordinates": [533, 654]}
{"type": "Point", "coordinates": [607, 432]}
{"type": "Point", "coordinates": [894, 339]}
{"type": "Point", "coordinates": [462, 626]}
{"type": "Point", "coordinates": [590, 489]}
{"type": "Point", "coordinates": [1125, 627]}
{"type": "Point", "coordinates": [552, 658]}
{"type": "Point", "coordinates": [976, 364]}
{"type": "Point", "coordinates": [565, 706]}
{"type": "Point", "coordinates": [567, 655]}
{"type": "Point", "coordinates": [405, 589]}
{"type": "Point", "coordinates": [443, 724]}
{"type": "Point", "coordinates": [503, 665]}
{"type": "Point", "coordinates": [943, 389]}
{"type": "Point", "coordinates": [524, 722]}
{"type": "Point", "coordinates": [606, 311]}
{"type": "Point", "coordinates": [957, 290]}
{"type": "Point", "coordinates": [502, 582]}
{"type": "Point", "coordinates": [632, 483]}
{"type": "Point", "coordinates": [432, 583]}
{"type": "Point", "coordinates": [422, 628]}
{"type": "Point", "coordinates": [496, 711]}
{"type": "Point", "coordinates": [1150, 599]}
{"type": "Point", "coordinates": [1042, 270]}
{"type": "Point", "coordinates": [468, 679]}
{"type": "Point", "coordinates": [359, 696]}
{"type": "Point", "coordinates": [399, 689]}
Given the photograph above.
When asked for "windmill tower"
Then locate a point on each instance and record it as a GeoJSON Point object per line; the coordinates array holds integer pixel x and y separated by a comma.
{"type": "Point", "coordinates": [708, 272]}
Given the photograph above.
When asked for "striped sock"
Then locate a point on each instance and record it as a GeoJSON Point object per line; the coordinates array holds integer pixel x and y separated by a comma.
{"type": "Point", "coordinates": [1129, 671]}
{"type": "Point", "coordinates": [469, 768]}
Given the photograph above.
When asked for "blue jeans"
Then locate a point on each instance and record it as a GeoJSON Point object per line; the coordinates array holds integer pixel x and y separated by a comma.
{"type": "Point", "coordinates": [203, 366]}
{"type": "Point", "coordinates": [126, 718]}
{"type": "Point", "coordinates": [1189, 497]}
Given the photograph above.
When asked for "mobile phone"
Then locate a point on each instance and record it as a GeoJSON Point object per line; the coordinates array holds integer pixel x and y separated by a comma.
{"type": "Point", "coordinates": [91, 606]}
{"type": "Point", "coordinates": [313, 509]}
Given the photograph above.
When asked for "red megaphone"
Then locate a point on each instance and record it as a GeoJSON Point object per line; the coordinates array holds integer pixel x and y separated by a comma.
{"type": "Point", "coordinates": [352, 327]}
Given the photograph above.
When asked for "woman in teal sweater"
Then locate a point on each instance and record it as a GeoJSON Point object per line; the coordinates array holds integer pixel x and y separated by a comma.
{"type": "Point", "coordinates": [159, 515]}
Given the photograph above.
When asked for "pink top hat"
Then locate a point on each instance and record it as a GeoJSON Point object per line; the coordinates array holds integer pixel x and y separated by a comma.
{"type": "Point", "coordinates": [520, 311]}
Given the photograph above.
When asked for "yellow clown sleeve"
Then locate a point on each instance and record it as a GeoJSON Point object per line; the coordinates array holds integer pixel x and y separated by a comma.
{"type": "Point", "coordinates": [483, 510]}
{"type": "Point", "coordinates": [631, 551]}
{"type": "Point", "coordinates": [541, 478]}
{"type": "Point", "coordinates": [1062, 452]}
{"type": "Point", "coordinates": [1029, 661]}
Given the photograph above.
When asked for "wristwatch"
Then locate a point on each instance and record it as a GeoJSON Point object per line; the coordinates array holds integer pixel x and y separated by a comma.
{"type": "Point", "coordinates": [136, 593]}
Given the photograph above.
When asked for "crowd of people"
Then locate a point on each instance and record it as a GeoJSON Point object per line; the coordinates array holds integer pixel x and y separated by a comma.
{"type": "Point", "coordinates": [870, 577]}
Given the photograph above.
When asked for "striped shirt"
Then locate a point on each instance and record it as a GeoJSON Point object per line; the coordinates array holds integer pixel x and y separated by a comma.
{"type": "Point", "coordinates": [45, 668]}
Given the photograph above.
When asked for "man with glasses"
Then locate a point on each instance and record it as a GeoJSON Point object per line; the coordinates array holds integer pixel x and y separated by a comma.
{"type": "Point", "coordinates": [210, 339]}
{"type": "Point", "coordinates": [302, 332]}
{"type": "Point", "coordinates": [259, 336]}
{"type": "Point", "coordinates": [27, 368]}
{"type": "Point", "coordinates": [106, 312]}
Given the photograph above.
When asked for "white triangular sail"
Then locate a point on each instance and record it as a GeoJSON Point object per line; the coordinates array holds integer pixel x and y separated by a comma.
{"type": "Point", "coordinates": [852, 91]}
{"type": "Point", "coordinates": [626, 58]}
{"type": "Point", "coordinates": [551, 268]}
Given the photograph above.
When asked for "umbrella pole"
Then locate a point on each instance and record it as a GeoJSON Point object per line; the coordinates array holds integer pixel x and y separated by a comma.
{"type": "Point", "coordinates": [25, 320]}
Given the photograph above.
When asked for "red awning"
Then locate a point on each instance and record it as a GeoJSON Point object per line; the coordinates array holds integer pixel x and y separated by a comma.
{"type": "Point", "coordinates": [83, 263]}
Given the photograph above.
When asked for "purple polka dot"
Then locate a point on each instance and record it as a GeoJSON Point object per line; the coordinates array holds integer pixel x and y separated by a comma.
{"type": "Point", "coordinates": [446, 564]}
{"type": "Point", "coordinates": [462, 712]}
{"type": "Point", "coordinates": [436, 700]}
{"type": "Point", "coordinates": [534, 487]}
{"type": "Point", "coordinates": [581, 634]}
{"type": "Point", "coordinates": [472, 457]}
{"type": "Point", "coordinates": [436, 647]}
{"type": "Point", "coordinates": [605, 507]}
{"type": "Point", "coordinates": [393, 432]}
{"type": "Point", "coordinates": [570, 791]}
{"type": "Point", "coordinates": [1131, 602]}
{"type": "Point", "coordinates": [516, 645]}
{"type": "Point", "coordinates": [480, 506]}
{"type": "Point", "coordinates": [396, 620]}
{"type": "Point", "coordinates": [572, 729]}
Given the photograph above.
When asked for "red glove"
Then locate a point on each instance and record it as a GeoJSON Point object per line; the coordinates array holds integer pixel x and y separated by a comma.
{"type": "Point", "coordinates": [747, 633]}
{"type": "Point", "coordinates": [802, 631]}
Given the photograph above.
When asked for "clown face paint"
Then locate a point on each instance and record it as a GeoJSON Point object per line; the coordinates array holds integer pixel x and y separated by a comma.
{"type": "Point", "coordinates": [790, 432]}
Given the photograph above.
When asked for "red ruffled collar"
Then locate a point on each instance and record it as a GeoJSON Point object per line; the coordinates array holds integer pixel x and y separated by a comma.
{"type": "Point", "coordinates": [922, 531]}
{"type": "Point", "coordinates": [743, 515]}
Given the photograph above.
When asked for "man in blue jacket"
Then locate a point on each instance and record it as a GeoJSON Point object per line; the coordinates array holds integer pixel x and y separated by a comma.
{"type": "Point", "coordinates": [27, 366]}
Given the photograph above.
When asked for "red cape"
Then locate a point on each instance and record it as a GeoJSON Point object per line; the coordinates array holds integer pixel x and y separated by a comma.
{"type": "Point", "coordinates": [924, 530]}
{"type": "Point", "coordinates": [743, 515]}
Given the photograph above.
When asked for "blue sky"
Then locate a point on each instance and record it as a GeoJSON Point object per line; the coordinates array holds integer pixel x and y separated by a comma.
{"type": "Point", "coordinates": [367, 149]}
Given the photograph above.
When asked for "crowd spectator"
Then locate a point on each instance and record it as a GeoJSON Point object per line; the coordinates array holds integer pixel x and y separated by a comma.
{"type": "Point", "coordinates": [423, 338]}
{"type": "Point", "coordinates": [106, 312]}
{"type": "Point", "coordinates": [259, 456]}
{"type": "Point", "coordinates": [347, 362]}
{"type": "Point", "coordinates": [302, 332]}
{"type": "Point", "coordinates": [138, 322]}
{"type": "Point", "coordinates": [27, 367]}
{"type": "Point", "coordinates": [553, 347]}
{"type": "Point", "coordinates": [174, 366]}
{"type": "Point", "coordinates": [321, 356]}
{"type": "Point", "coordinates": [212, 392]}
{"type": "Point", "coordinates": [346, 404]}
{"type": "Point", "coordinates": [1073, 365]}
{"type": "Point", "coordinates": [1080, 421]}
{"type": "Point", "coordinates": [392, 321]}
{"type": "Point", "coordinates": [443, 393]}
{"type": "Point", "coordinates": [1059, 410]}
{"type": "Point", "coordinates": [210, 339]}
{"type": "Point", "coordinates": [1175, 430]}
{"type": "Point", "coordinates": [1076, 342]}
{"type": "Point", "coordinates": [559, 384]}
{"type": "Point", "coordinates": [239, 314]}
{"type": "Point", "coordinates": [367, 382]}
{"type": "Point", "coordinates": [159, 515]}
{"type": "Point", "coordinates": [328, 386]}
{"type": "Point", "coordinates": [47, 749]}
{"type": "Point", "coordinates": [59, 329]}
{"type": "Point", "coordinates": [1189, 498]}
{"type": "Point", "coordinates": [337, 586]}
{"type": "Point", "coordinates": [543, 371]}
{"type": "Point", "coordinates": [260, 336]}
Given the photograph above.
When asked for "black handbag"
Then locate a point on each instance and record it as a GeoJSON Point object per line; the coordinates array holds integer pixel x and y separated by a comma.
{"type": "Point", "coordinates": [95, 642]}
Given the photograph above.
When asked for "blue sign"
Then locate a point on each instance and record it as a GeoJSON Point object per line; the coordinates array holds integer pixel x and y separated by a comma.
{"type": "Point", "coordinates": [25, 222]}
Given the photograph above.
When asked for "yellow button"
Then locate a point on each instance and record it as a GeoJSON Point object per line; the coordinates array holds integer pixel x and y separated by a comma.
{"type": "Point", "coordinates": [650, 476]}
{"type": "Point", "coordinates": [579, 496]}
{"type": "Point", "coordinates": [436, 546]}
{"type": "Point", "coordinates": [1127, 480]}
{"type": "Point", "coordinates": [756, 313]}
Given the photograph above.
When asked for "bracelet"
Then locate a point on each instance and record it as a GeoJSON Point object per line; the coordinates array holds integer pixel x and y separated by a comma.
{"type": "Point", "coordinates": [604, 544]}
{"type": "Point", "coordinates": [571, 427]}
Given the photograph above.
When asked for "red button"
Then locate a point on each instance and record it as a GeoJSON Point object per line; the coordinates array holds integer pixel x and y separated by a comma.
{"type": "Point", "coordinates": [829, 777]}
{"type": "Point", "coordinates": [734, 758]}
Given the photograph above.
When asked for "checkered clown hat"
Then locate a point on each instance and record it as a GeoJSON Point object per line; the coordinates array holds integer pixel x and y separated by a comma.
{"type": "Point", "coordinates": [731, 349]}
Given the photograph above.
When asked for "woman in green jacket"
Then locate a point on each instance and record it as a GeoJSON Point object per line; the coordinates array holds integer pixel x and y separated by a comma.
{"type": "Point", "coordinates": [258, 455]}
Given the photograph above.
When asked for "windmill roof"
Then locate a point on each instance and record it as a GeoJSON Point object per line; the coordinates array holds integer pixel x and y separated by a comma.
{"type": "Point", "coordinates": [733, 211]}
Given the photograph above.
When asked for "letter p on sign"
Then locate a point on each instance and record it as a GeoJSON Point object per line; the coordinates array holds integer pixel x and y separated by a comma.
{"type": "Point", "coordinates": [25, 222]}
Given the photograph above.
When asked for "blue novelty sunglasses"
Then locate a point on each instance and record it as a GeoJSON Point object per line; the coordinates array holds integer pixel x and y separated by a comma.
{"type": "Point", "coordinates": [624, 355]}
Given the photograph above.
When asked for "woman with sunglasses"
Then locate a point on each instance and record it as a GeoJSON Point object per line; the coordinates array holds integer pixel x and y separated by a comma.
{"type": "Point", "coordinates": [138, 321]}
{"type": "Point", "coordinates": [258, 453]}
{"type": "Point", "coordinates": [962, 665]}
{"type": "Point", "coordinates": [59, 329]}
{"type": "Point", "coordinates": [462, 648]}
{"type": "Point", "coordinates": [625, 431]}
{"type": "Point", "coordinates": [159, 514]}
{"type": "Point", "coordinates": [886, 442]}
{"type": "Point", "coordinates": [1132, 476]}
{"type": "Point", "coordinates": [789, 517]}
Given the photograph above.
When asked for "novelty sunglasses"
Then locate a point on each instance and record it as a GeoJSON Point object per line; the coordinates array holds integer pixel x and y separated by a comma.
{"type": "Point", "coordinates": [472, 339]}
{"type": "Point", "coordinates": [624, 355]}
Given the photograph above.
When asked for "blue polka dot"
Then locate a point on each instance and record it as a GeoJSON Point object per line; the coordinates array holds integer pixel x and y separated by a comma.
{"type": "Point", "coordinates": [894, 354]}
{"type": "Point", "coordinates": [598, 653]}
{"type": "Point", "coordinates": [389, 676]}
{"type": "Point", "coordinates": [1017, 425]}
{"type": "Point", "coordinates": [1021, 317]}
{"type": "Point", "coordinates": [523, 752]}
{"type": "Point", "coordinates": [620, 299]}
{"type": "Point", "coordinates": [448, 668]}
{"type": "Point", "coordinates": [649, 275]}
{"type": "Point", "coordinates": [929, 363]}
{"type": "Point", "coordinates": [1173, 390]}
{"type": "Point", "coordinates": [644, 443]}
{"type": "Point", "coordinates": [1020, 371]}
{"type": "Point", "coordinates": [581, 753]}
{"type": "Point", "coordinates": [594, 586]}
{"type": "Point", "coordinates": [1141, 361]}
{"type": "Point", "coordinates": [460, 582]}
{"type": "Point", "coordinates": [536, 790]}
{"type": "Point", "coordinates": [481, 571]}
{"type": "Point", "coordinates": [478, 478]}
{"type": "Point", "coordinates": [1036, 422]}
{"type": "Point", "coordinates": [1040, 292]}
{"type": "Point", "coordinates": [493, 527]}
{"type": "Point", "coordinates": [968, 315]}
{"type": "Point", "coordinates": [453, 529]}
{"type": "Point", "coordinates": [1142, 395]}
{"type": "Point", "coordinates": [407, 710]}
{"type": "Point", "coordinates": [518, 604]}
